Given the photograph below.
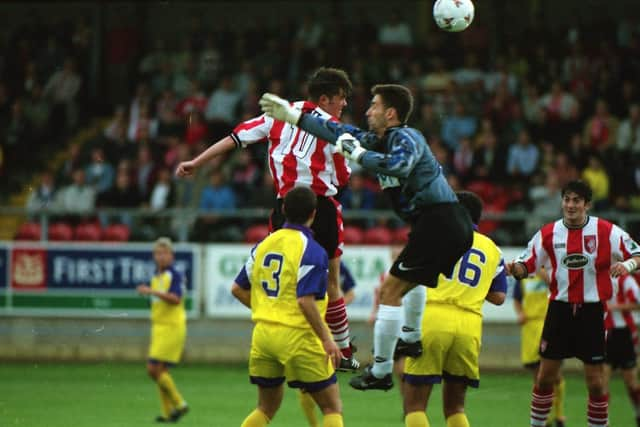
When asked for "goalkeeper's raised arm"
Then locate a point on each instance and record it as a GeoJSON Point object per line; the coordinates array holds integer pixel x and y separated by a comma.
{"type": "Point", "coordinates": [281, 109]}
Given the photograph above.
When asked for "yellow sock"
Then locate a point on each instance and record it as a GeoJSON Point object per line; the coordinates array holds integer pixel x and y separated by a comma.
{"type": "Point", "coordinates": [558, 400]}
{"type": "Point", "coordinates": [309, 408]}
{"type": "Point", "coordinates": [416, 419]}
{"type": "Point", "coordinates": [165, 403]}
{"type": "Point", "coordinates": [166, 383]}
{"type": "Point", "coordinates": [332, 420]}
{"type": "Point", "coordinates": [256, 419]}
{"type": "Point", "coordinates": [458, 420]}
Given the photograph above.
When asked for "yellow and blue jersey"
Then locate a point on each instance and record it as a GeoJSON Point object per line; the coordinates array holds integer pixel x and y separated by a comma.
{"type": "Point", "coordinates": [168, 280]}
{"type": "Point", "coordinates": [286, 265]}
{"type": "Point", "coordinates": [533, 295]}
{"type": "Point", "coordinates": [478, 272]}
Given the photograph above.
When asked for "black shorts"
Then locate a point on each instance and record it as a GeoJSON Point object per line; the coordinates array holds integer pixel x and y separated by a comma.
{"type": "Point", "coordinates": [621, 353]}
{"type": "Point", "coordinates": [439, 237]}
{"type": "Point", "coordinates": [327, 226]}
{"type": "Point", "coordinates": [574, 330]}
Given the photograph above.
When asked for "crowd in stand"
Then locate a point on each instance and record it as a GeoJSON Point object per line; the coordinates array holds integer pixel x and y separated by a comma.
{"type": "Point", "coordinates": [513, 124]}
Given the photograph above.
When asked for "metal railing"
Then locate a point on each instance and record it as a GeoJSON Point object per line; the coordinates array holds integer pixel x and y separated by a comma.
{"type": "Point", "coordinates": [511, 225]}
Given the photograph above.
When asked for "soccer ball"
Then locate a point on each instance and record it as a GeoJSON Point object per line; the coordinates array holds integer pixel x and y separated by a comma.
{"type": "Point", "coordinates": [453, 15]}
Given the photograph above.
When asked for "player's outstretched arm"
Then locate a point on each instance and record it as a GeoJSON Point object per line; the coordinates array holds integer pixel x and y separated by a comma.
{"type": "Point", "coordinates": [281, 109]}
{"type": "Point", "coordinates": [625, 267]}
{"type": "Point", "coordinates": [186, 169]}
{"type": "Point", "coordinates": [307, 304]}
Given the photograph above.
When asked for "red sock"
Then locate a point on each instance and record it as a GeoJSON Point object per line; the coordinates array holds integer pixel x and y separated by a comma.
{"type": "Point", "coordinates": [541, 401]}
{"type": "Point", "coordinates": [597, 412]}
{"type": "Point", "coordinates": [336, 319]}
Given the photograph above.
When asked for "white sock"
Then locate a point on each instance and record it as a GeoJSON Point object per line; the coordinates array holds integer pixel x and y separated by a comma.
{"type": "Point", "coordinates": [413, 303]}
{"type": "Point", "coordinates": [385, 336]}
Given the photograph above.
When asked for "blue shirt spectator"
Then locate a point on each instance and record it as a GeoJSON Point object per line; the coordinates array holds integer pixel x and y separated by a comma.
{"type": "Point", "coordinates": [523, 156]}
{"type": "Point", "coordinates": [217, 195]}
{"type": "Point", "coordinates": [458, 126]}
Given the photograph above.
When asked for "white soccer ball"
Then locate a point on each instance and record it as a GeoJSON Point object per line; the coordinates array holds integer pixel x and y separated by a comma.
{"type": "Point", "coordinates": [453, 15]}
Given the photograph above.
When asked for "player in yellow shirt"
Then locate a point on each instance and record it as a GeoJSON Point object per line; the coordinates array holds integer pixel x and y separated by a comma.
{"type": "Point", "coordinates": [452, 328]}
{"type": "Point", "coordinates": [530, 301]}
{"type": "Point", "coordinates": [168, 328]}
{"type": "Point", "coordinates": [284, 282]}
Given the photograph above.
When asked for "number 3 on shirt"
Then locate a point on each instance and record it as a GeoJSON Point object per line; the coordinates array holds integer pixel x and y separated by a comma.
{"type": "Point", "coordinates": [469, 269]}
{"type": "Point", "coordinates": [273, 263]}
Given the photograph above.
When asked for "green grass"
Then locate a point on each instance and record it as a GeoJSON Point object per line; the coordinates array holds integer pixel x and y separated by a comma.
{"type": "Point", "coordinates": [121, 395]}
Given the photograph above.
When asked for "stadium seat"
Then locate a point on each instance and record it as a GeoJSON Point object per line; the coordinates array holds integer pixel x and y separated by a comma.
{"type": "Point", "coordinates": [352, 235]}
{"type": "Point", "coordinates": [400, 235]}
{"type": "Point", "coordinates": [29, 231]}
{"type": "Point", "coordinates": [377, 236]}
{"type": "Point", "coordinates": [256, 233]}
{"type": "Point", "coordinates": [88, 232]}
{"type": "Point", "coordinates": [116, 233]}
{"type": "Point", "coordinates": [60, 231]}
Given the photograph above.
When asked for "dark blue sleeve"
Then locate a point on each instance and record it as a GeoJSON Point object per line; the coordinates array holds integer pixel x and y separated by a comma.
{"type": "Point", "coordinates": [346, 279]}
{"type": "Point", "coordinates": [400, 160]}
{"type": "Point", "coordinates": [313, 271]}
{"type": "Point", "coordinates": [517, 291]}
{"type": "Point", "coordinates": [499, 283]}
{"type": "Point", "coordinates": [242, 279]}
{"type": "Point", "coordinates": [330, 130]}
{"type": "Point", "coordinates": [176, 282]}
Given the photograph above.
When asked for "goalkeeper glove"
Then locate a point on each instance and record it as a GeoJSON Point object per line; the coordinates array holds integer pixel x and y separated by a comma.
{"type": "Point", "coordinates": [350, 147]}
{"type": "Point", "coordinates": [280, 109]}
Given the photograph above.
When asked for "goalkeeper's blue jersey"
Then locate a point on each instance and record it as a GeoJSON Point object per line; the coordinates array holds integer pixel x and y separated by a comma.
{"type": "Point", "coordinates": [406, 168]}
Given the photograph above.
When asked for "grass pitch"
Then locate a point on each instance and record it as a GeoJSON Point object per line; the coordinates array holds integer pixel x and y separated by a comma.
{"type": "Point", "coordinates": [121, 395]}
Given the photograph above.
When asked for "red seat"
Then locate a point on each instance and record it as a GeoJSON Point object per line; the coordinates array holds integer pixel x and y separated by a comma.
{"type": "Point", "coordinates": [60, 231]}
{"type": "Point", "coordinates": [116, 233]}
{"type": "Point", "coordinates": [378, 236]}
{"type": "Point", "coordinates": [256, 233]}
{"type": "Point", "coordinates": [87, 232]}
{"type": "Point", "coordinates": [400, 235]}
{"type": "Point", "coordinates": [29, 231]}
{"type": "Point", "coordinates": [352, 235]}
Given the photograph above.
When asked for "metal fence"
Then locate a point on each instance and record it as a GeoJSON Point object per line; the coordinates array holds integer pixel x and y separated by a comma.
{"type": "Point", "coordinates": [508, 228]}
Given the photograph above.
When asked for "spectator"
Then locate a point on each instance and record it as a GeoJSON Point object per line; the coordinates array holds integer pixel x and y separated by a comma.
{"type": "Point", "coordinates": [152, 62]}
{"type": "Point", "coordinates": [123, 195]}
{"type": "Point", "coordinates": [598, 179]}
{"type": "Point", "coordinates": [628, 138]}
{"type": "Point", "coordinates": [559, 111]}
{"type": "Point", "coordinates": [143, 127]}
{"type": "Point", "coordinates": [77, 197]}
{"type": "Point", "coordinates": [245, 175]}
{"type": "Point", "coordinates": [429, 123]}
{"type": "Point", "coordinates": [544, 196]}
{"type": "Point", "coordinates": [262, 196]}
{"type": "Point", "coordinates": [17, 138]}
{"type": "Point", "coordinates": [357, 196]}
{"type": "Point", "coordinates": [489, 160]}
{"type": "Point", "coordinates": [142, 98]}
{"type": "Point", "coordinates": [144, 171]}
{"type": "Point", "coordinates": [523, 158]}
{"type": "Point", "coordinates": [116, 130]}
{"type": "Point", "coordinates": [195, 101]}
{"type": "Point", "coordinates": [209, 63]}
{"type": "Point", "coordinates": [217, 195]}
{"type": "Point", "coordinates": [221, 109]}
{"type": "Point", "coordinates": [183, 78]}
{"type": "Point", "coordinates": [463, 159]}
{"type": "Point", "coordinates": [197, 129]}
{"type": "Point", "coordinates": [162, 193]}
{"type": "Point", "coordinates": [600, 130]}
{"type": "Point", "coordinates": [99, 173]}
{"type": "Point", "coordinates": [457, 127]}
{"type": "Point", "coordinates": [170, 123]}
{"type": "Point", "coordinates": [62, 88]}
{"type": "Point", "coordinates": [565, 169]}
{"type": "Point", "coordinates": [43, 196]}
{"type": "Point", "coordinates": [395, 32]}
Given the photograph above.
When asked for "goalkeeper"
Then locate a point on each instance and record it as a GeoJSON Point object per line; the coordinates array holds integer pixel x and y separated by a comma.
{"type": "Point", "coordinates": [441, 230]}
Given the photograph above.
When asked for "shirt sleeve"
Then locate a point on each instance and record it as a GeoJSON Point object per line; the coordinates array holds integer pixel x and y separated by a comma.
{"type": "Point", "coordinates": [330, 130]}
{"type": "Point", "coordinates": [401, 159]}
{"type": "Point", "coordinates": [313, 272]}
{"type": "Point", "coordinates": [242, 279]}
{"type": "Point", "coordinates": [499, 283]}
{"type": "Point", "coordinates": [346, 279]}
{"type": "Point", "coordinates": [631, 289]}
{"type": "Point", "coordinates": [531, 256]}
{"type": "Point", "coordinates": [622, 245]}
{"type": "Point", "coordinates": [252, 131]}
{"type": "Point", "coordinates": [177, 281]}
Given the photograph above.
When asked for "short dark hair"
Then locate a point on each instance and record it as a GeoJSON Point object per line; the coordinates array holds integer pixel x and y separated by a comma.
{"type": "Point", "coordinates": [329, 82]}
{"type": "Point", "coordinates": [299, 204]}
{"type": "Point", "coordinates": [579, 187]}
{"type": "Point", "coordinates": [396, 96]}
{"type": "Point", "coordinates": [472, 203]}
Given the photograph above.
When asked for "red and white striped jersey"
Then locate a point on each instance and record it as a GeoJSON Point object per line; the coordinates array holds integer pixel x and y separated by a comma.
{"type": "Point", "coordinates": [296, 158]}
{"type": "Point", "coordinates": [625, 290]}
{"type": "Point", "coordinates": [578, 259]}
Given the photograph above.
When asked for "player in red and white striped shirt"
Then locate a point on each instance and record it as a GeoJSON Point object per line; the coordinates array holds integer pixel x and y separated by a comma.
{"type": "Point", "coordinates": [622, 335]}
{"type": "Point", "coordinates": [581, 254]}
{"type": "Point", "coordinates": [297, 158]}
